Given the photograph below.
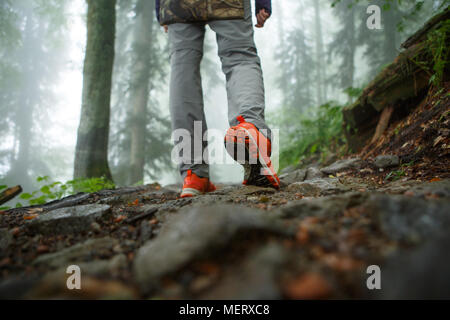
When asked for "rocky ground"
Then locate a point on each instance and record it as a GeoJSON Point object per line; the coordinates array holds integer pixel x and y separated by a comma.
{"type": "Point", "coordinates": [312, 240]}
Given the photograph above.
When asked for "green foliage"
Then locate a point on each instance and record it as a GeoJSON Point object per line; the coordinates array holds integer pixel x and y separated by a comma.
{"type": "Point", "coordinates": [437, 46]}
{"type": "Point", "coordinates": [395, 175]}
{"type": "Point", "coordinates": [317, 134]}
{"type": "Point", "coordinates": [354, 92]}
{"type": "Point", "coordinates": [50, 191]}
{"type": "Point", "coordinates": [90, 185]}
{"type": "Point", "coordinates": [398, 174]}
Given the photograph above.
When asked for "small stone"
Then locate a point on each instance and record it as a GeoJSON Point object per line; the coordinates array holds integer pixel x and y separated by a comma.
{"type": "Point", "coordinates": [313, 173]}
{"type": "Point", "coordinates": [68, 220]}
{"type": "Point", "coordinates": [318, 187]}
{"type": "Point", "coordinates": [292, 177]}
{"type": "Point", "coordinates": [387, 161]}
{"type": "Point", "coordinates": [342, 165]}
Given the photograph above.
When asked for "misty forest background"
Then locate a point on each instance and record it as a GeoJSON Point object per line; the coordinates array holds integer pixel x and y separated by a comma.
{"type": "Point", "coordinates": [316, 57]}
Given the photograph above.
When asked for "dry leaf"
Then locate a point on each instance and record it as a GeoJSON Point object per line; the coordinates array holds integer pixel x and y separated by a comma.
{"type": "Point", "coordinates": [120, 219]}
{"type": "Point", "coordinates": [309, 286]}
{"type": "Point", "coordinates": [30, 217]}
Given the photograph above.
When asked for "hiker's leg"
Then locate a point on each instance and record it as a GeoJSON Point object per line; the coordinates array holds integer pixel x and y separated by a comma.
{"type": "Point", "coordinates": [186, 95]}
{"type": "Point", "coordinates": [242, 68]}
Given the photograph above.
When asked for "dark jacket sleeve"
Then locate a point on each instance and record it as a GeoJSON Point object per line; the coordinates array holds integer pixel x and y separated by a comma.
{"type": "Point", "coordinates": [157, 5]}
{"type": "Point", "coordinates": [263, 4]}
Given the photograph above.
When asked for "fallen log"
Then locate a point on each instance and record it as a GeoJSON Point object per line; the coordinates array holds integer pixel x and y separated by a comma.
{"type": "Point", "coordinates": [10, 194]}
{"type": "Point", "coordinates": [433, 24]}
{"type": "Point", "coordinates": [402, 84]}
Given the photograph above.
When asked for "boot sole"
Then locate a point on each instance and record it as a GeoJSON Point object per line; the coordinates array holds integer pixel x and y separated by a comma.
{"type": "Point", "coordinates": [252, 151]}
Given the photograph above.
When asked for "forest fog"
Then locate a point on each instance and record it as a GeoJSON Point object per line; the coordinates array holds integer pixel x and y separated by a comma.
{"type": "Point", "coordinates": [312, 53]}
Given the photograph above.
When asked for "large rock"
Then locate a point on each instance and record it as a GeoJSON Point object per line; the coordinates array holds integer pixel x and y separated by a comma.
{"type": "Point", "coordinates": [436, 188]}
{"type": "Point", "coordinates": [387, 161]}
{"type": "Point", "coordinates": [6, 239]}
{"type": "Point", "coordinates": [318, 187]}
{"type": "Point", "coordinates": [419, 188]}
{"type": "Point", "coordinates": [288, 169]}
{"type": "Point", "coordinates": [193, 233]}
{"type": "Point", "coordinates": [15, 287]}
{"type": "Point", "coordinates": [324, 207]}
{"type": "Point", "coordinates": [69, 220]}
{"type": "Point", "coordinates": [342, 165]}
{"type": "Point", "coordinates": [77, 253]}
{"type": "Point", "coordinates": [292, 177]}
{"type": "Point", "coordinates": [418, 274]}
{"type": "Point", "coordinates": [254, 279]}
{"type": "Point", "coordinates": [409, 220]}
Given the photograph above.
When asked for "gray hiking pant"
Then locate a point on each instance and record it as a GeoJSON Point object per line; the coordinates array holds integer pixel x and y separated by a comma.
{"type": "Point", "coordinates": [240, 64]}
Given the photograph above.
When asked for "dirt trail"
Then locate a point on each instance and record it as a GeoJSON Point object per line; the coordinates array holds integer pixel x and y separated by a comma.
{"type": "Point", "coordinates": [313, 239]}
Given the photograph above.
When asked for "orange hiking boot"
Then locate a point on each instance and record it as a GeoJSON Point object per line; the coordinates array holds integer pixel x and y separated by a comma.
{"type": "Point", "coordinates": [249, 147]}
{"type": "Point", "coordinates": [195, 186]}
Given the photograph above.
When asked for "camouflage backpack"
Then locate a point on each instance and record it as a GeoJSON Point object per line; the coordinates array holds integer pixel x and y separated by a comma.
{"type": "Point", "coordinates": [184, 11]}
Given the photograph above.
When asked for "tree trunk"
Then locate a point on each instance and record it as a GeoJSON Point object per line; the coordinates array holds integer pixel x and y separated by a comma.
{"type": "Point", "coordinates": [24, 117]}
{"type": "Point", "coordinates": [140, 84]}
{"type": "Point", "coordinates": [91, 156]}
{"type": "Point", "coordinates": [349, 59]}
{"type": "Point", "coordinates": [321, 91]}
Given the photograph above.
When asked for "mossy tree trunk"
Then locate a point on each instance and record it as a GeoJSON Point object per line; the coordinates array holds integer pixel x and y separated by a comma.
{"type": "Point", "coordinates": [91, 156]}
{"type": "Point", "coordinates": [140, 87]}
